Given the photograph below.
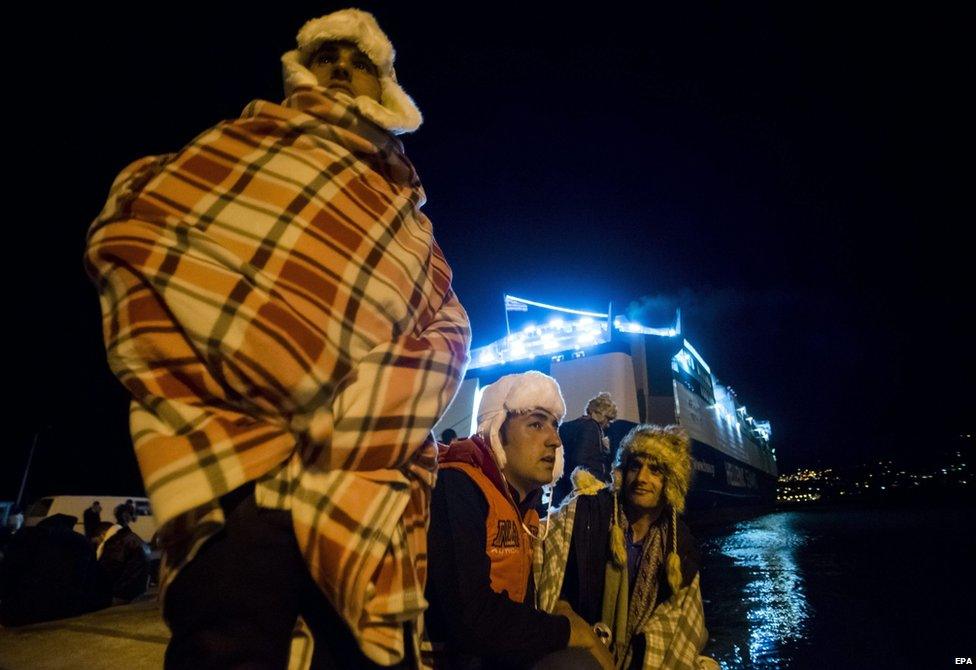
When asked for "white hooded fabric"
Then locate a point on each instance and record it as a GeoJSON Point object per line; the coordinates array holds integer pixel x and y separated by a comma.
{"type": "Point", "coordinates": [518, 394]}
{"type": "Point", "coordinates": [396, 111]}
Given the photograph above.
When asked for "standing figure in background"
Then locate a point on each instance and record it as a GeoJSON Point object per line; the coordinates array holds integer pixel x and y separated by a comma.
{"type": "Point", "coordinates": [124, 557]}
{"type": "Point", "coordinates": [92, 518]}
{"type": "Point", "coordinates": [586, 444]}
{"type": "Point", "coordinates": [276, 304]}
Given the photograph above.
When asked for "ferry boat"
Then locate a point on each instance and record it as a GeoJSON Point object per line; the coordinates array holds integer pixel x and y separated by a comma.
{"type": "Point", "coordinates": [654, 375]}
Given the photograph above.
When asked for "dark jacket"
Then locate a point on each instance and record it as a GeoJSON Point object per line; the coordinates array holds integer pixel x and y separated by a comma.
{"type": "Point", "coordinates": [91, 519]}
{"type": "Point", "coordinates": [49, 572]}
{"type": "Point", "coordinates": [589, 551]}
{"type": "Point", "coordinates": [125, 560]}
{"type": "Point", "coordinates": [472, 625]}
{"type": "Point", "coordinates": [582, 440]}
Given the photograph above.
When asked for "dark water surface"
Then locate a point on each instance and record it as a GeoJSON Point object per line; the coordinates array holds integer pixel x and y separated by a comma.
{"type": "Point", "coordinates": [842, 588]}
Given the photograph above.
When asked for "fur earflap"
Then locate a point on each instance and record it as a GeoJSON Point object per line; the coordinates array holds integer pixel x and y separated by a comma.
{"type": "Point", "coordinates": [558, 468]}
{"type": "Point", "coordinates": [396, 111]}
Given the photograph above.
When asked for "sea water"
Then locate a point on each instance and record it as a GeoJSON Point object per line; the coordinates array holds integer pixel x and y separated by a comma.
{"type": "Point", "coordinates": [842, 587]}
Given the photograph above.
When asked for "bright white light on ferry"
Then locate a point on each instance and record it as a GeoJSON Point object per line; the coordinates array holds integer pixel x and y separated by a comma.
{"type": "Point", "coordinates": [555, 323]}
{"type": "Point", "coordinates": [518, 349]}
{"type": "Point", "coordinates": [549, 341]}
{"type": "Point", "coordinates": [764, 429]}
{"type": "Point", "coordinates": [486, 358]}
{"type": "Point", "coordinates": [529, 328]}
{"type": "Point", "coordinates": [586, 320]}
{"type": "Point", "coordinates": [625, 326]}
{"type": "Point", "coordinates": [586, 338]}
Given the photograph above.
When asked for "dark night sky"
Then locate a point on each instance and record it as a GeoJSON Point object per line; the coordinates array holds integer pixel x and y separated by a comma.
{"type": "Point", "coordinates": [790, 177]}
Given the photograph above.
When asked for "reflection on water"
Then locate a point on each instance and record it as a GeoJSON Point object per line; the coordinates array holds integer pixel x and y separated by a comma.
{"type": "Point", "coordinates": [770, 595]}
{"type": "Point", "coordinates": [836, 588]}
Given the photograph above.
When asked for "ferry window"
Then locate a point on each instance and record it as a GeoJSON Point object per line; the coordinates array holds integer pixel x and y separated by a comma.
{"type": "Point", "coordinates": [143, 508]}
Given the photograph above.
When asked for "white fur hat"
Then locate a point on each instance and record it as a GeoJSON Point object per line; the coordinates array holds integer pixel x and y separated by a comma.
{"type": "Point", "coordinates": [396, 111]}
{"type": "Point", "coordinates": [518, 394]}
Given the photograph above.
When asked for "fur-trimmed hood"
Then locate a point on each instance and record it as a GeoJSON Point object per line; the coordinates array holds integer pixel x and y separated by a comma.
{"type": "Point", "coordinates": [396, 111]}
{"type": "Point", "coordinates": [667, 445]}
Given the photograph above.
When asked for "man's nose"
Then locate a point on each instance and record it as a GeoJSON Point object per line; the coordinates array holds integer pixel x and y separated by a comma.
{"type": "Point", "coordinates": [341, 70]}
{"type": "Point", "coordinates": [552, 439]}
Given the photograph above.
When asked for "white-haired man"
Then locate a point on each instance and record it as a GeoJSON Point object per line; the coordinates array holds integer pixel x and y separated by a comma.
{"type": "Point", "coordinates": [277, 306]}
{"type": "Point", "coordinates": [586, 443]}
{"type": "Point", "coordinates": [483, 530]}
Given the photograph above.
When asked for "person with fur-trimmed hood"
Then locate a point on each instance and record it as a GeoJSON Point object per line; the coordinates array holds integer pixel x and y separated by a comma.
{"type": "Point", "coordinates": [277, 306]}
{"type": "Point", "coordinates": [622, 557]}
{"type": "Point", "coordinates": [483, 529]}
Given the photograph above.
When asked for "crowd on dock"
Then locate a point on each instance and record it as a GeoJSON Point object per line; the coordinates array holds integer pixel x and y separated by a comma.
{"type": "Point", "coordinates": [50, 571]}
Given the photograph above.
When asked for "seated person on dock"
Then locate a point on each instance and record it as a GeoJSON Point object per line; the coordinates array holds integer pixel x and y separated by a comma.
{"type": "Point", "coordinates": [483, 527]}
{"type": "Point", "coordinates": [621, 557]}
{"type": "Point", "coordinates": [49, 572]}
{"type": "Point", "coordinates": [124, 557]}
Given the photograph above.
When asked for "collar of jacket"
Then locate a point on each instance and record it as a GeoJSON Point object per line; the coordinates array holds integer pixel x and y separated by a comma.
{"type": "Point", "coordinates": [475, 451]}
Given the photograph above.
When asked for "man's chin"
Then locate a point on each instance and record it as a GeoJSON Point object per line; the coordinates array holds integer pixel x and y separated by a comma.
{"type": "Point", "coordinates": [645, 503]}
{"type": "Point", "coordinates": [543, 479]}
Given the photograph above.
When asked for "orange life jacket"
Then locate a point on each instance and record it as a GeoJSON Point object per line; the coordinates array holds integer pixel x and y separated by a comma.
{"type": "Point", "coordinates": [508, 546]}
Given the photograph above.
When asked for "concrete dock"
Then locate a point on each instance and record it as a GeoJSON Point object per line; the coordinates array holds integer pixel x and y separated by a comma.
{"type": "Point", "coordinates": [129, 636]}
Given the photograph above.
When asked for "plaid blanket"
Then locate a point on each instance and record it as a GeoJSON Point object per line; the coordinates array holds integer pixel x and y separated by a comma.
{"type": "Point", "coordinates": [674, 632]}
{"type": "Point", "coordinates": [275, 303]}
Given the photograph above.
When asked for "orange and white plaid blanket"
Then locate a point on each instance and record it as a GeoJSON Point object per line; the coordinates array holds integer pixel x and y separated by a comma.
{"type": "Point", "coordinates": [275, 302]}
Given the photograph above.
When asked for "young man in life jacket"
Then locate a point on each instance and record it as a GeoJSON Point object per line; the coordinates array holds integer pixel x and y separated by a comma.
{"type": "Point", "coordinates": [483, 530]}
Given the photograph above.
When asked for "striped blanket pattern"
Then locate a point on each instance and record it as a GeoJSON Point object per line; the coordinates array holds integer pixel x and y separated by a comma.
{"type": "Point", "coordinates": [275, 303]}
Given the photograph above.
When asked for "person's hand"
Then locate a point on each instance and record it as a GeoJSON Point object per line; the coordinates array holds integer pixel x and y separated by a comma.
{"type": "Point", "coordinates": [581, 635]}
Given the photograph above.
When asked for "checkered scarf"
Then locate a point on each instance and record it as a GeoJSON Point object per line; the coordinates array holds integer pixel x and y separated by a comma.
{"type": "Point", "coordinates": [674, 631]}
{"type": "Point", "coordinates": [275, 302]}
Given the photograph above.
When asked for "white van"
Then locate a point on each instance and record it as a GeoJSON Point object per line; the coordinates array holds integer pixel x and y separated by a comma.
{"type": "Point", "coordinates": [144, 525]}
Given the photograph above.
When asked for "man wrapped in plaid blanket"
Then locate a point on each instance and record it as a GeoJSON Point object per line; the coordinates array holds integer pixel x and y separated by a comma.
{"type": "Point", "coordinates": [276, 305]}
{"type": "Point", "coordinates": [621, 558]}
